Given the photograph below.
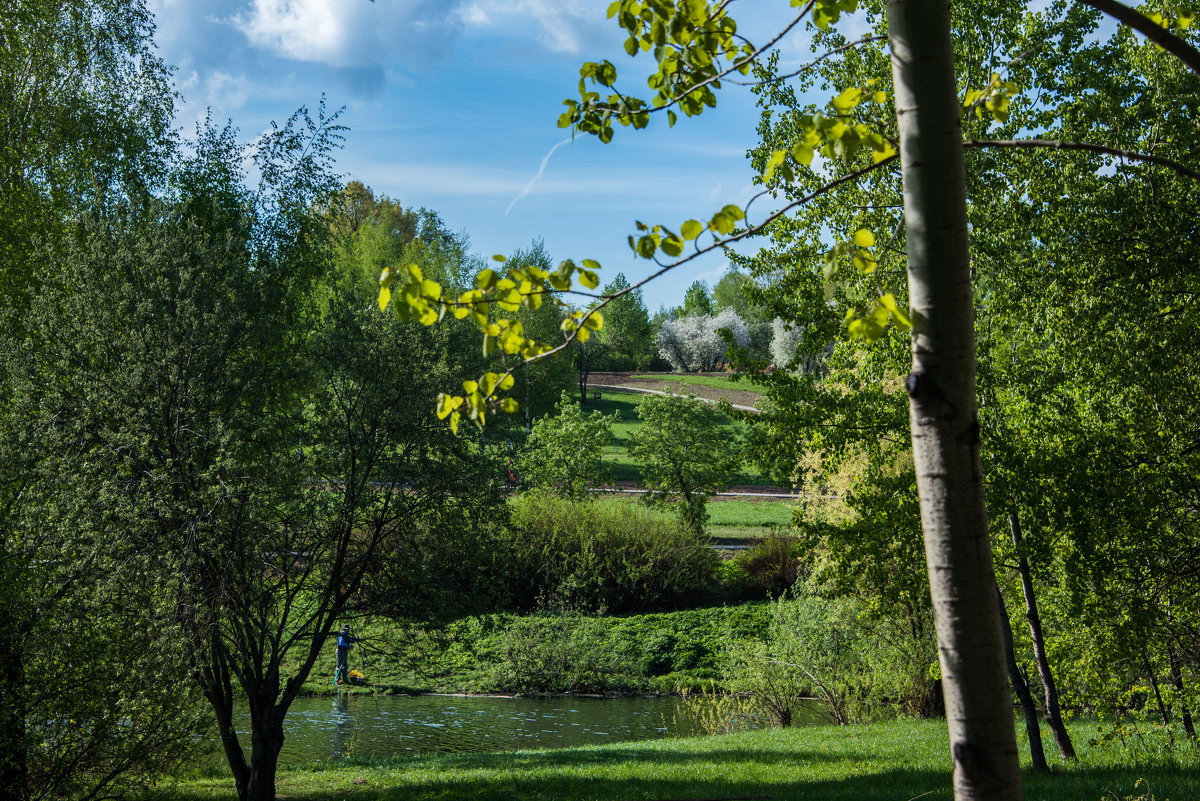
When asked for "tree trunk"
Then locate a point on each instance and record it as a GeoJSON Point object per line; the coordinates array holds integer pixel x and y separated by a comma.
{"type": "Point", "coordinates": [1163, 712]}
{"type": "Point", "coordinates": [941, 387]}
{"type": "Point", "coordinates": [13, 751]}
{"type": "Point", "coordinates": [1021, 687]}
{"type": "Point", "coordinates": [1062, 739]}
{"type": "Point", "coordinates": [265, 744]}
{"type": "Point", "coordinates": [217, 688]}
{"type": "Point", "coordinates": [1177, 680]}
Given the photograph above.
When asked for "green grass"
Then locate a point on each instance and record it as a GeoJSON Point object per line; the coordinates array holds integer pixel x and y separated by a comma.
{"type": "Point", "coordinates": [895, 760]}
{"type": "Point", "coordinates": [740, 512]}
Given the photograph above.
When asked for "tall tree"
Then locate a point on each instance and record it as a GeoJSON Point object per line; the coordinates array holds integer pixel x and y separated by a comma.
{"type": "Point", "coordinates": [87, 104]}
{"type": "Point", "coordinates": [682, 463]}
{"type": "Point", "coordinates": [626, 331]}
{"type": "Point", "coordinates": [224, 411]}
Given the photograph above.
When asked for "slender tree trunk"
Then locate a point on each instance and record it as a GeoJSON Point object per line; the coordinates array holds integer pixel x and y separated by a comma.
{"type": "Point", "coordinates": [217, 688]}
{"type": "Point", "coordinates": [1062, 739]}
{"type": "Point", "coordinates": [1177, 680]}
{"type": "Point", "coordinates": [1163, 712]}
{"type": "Point", "coordinates": [941, 387]}
{"type": "Point", "coordinates": [1021, 687]}
{"type": "Point", "coordinates": [13, 751]}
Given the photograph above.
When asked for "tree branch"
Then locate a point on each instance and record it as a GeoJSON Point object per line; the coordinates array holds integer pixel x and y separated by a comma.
{"type": "Point", "coordinates": [811, 64]}
{"type": "Point", "coordinates": [1052, 144]}
{"type": "Point", "coordinates": [1151, 30]}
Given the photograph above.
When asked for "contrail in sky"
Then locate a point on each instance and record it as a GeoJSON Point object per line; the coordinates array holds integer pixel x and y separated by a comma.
{"type": "Point", "coordinates": [538, 177]}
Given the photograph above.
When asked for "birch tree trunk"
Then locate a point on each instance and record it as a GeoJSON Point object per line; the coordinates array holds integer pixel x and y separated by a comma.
{"type": "Point", "coordinates": [941, 387]}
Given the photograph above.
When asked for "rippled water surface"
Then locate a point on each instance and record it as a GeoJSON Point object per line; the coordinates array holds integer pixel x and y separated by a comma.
{"type": "Point", "coordinates": [363, 725]}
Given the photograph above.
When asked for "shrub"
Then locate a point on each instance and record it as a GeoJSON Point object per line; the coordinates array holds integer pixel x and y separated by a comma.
{"type": "Point", "coordinates": [605, 557]}
{"type": "Point", "coordinates": [767, 569]}
{"type": "Point", "coordinates": [561, 653]}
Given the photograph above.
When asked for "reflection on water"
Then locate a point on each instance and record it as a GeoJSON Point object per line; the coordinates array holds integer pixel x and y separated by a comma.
{"type": "Point", "coordinates": [364, 725]}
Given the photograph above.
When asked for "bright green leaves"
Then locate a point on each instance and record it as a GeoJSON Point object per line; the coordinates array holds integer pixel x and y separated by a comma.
{"type": "Point", "coordinates": [477, 400]}
{"type": "Point", "coordinates": [995, 98]}
{"type": "Point", "coordinates": [694, 43]}
{"type": "Point", "coordinates": [835, 135]}
{"type": "Point", "coordinates": [1173, 16]}
{"type": "Point", "coordinates": [827, 12]}
{"type": "Point", "coordinates": [581, 324]}
{"type": "Point", "coordinates": [725, 220]}
{"type": "Point", "coordinates": [691, 229]}
{"type": "Point", "coordinates": [872, 326]}
{"type": "Point", "coordinates": [650, 240]}
{"type": "Point", "coordinates": [859, 249]}
{"type": "Point", "coordinates": [413, 297]}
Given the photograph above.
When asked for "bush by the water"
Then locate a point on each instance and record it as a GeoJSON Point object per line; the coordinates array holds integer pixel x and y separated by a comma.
{"type": "Point", "coordinates": [565, 651]}
{"type": "Point", "coordinates": [616, 557]}
{"type": "Point", "coordinates": [765, 570]}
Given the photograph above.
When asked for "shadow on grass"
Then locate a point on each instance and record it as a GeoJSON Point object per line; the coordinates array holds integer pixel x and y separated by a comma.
{"type": "Point", "coordinates": [630, 774]}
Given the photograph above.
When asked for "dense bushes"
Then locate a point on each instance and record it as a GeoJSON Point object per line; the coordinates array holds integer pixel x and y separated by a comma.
{"type": "Point", "coordinates": [570, 652]}
{"type": "Point", "coordinates": [767, 569]}
{"type": "Point", "coordinates": [616, 557]}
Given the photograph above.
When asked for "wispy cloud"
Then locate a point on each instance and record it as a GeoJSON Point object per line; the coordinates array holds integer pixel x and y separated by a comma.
{"type": "Point", "coordinates": [351, 34]}
{"type": "Point", "coordinates": [541, 169]}
{"type": "Point", "coordinates": [564, 24]}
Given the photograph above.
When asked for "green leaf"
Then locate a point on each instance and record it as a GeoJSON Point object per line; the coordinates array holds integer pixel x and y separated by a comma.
{"type": "Point", "coordinates": [864, 238]}
{"type": "Point", "coordinates": [385, 296]}
{"type": "Point", "coordinates": [691, 229]}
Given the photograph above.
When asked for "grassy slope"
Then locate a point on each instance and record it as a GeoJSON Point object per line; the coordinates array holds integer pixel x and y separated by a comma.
{"type": "Point", "coordinates": [896, 761]}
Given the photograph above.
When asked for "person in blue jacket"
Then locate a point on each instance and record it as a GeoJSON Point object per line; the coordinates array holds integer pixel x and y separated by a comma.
{"type": "Point", "coordinates": [345, 642]}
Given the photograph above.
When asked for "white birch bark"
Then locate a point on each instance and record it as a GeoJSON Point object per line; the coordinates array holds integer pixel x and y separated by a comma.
{"type": "Point", "coordinates": [945, 429]}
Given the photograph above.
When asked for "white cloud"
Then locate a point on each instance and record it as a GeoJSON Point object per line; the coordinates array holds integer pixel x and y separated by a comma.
{"type": "Point", "coordinates": [713, 275]}
{"type": "Point", "coordinates": [350, 34]}
{"type": "Point", "coordinates": [565, 24]}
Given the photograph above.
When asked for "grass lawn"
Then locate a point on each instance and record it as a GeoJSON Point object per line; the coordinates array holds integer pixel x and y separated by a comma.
{"type": "Point", "coordinates": [896, 761]}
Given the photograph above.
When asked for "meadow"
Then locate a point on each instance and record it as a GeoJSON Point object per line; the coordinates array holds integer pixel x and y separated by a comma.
{"type": "Point", "coordinates": [899, 760]}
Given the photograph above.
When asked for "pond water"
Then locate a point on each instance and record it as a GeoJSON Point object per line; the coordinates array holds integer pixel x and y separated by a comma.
{"type": "Point", "coordinates": [365, 725]}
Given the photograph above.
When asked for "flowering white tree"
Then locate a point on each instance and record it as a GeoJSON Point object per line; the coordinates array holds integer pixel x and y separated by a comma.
{"type": "Point", "coordinates": [695, 343]}
{"type": "Point", "coordinates": [785, 338]}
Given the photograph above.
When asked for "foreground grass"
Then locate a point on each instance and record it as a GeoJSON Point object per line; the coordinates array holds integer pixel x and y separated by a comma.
{"type": "Point", "coordinates": [896, 760]}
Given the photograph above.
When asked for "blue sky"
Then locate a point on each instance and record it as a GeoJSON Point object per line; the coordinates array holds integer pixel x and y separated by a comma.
{"type": "Point", "coordinates": [452, 105]}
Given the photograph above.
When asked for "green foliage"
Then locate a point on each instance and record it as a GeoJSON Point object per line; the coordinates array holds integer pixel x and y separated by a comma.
{"type": "Point", "coordinates": [562, 454]}
{"type": "Point", "coordinates": [614, 557]}
{"type": "Point", "coordinates": [540, 383]}
{"type": "Point", "coordinates": [626, 334]}
{"type": "Point", "coordinates": [816, 647]}
{"type": "Point", "coordinates": [767, 569]}
{"type": "Point", "coordinates": [560, 648]}
{"type": "Point", "coordinates": [682, 464]}
{"type": "Point", "coordinates": [697, 300]}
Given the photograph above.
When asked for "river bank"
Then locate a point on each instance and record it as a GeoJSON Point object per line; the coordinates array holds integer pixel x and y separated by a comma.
{"type": "Point", "coordinates": [890, 761]}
